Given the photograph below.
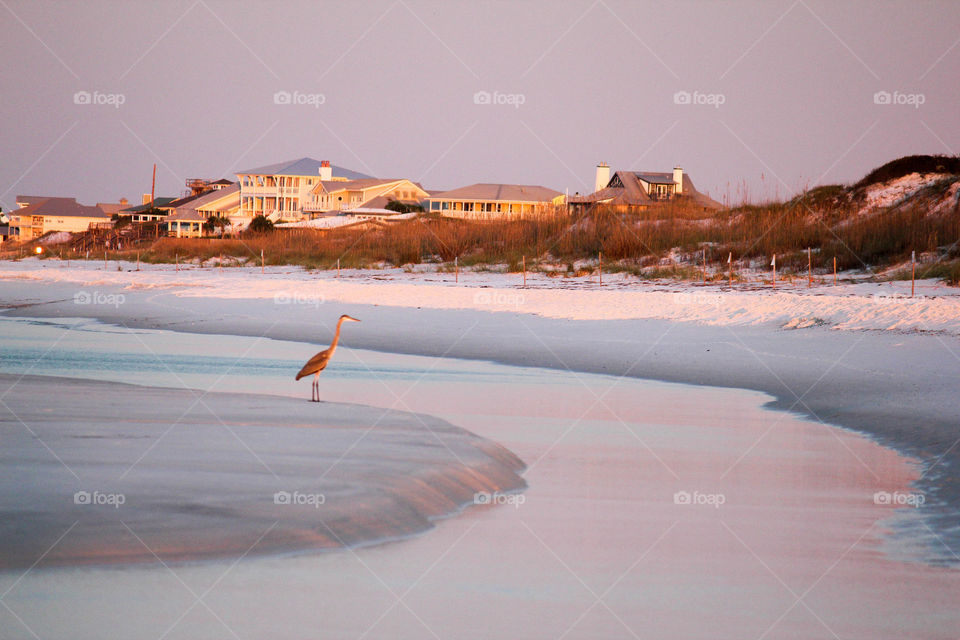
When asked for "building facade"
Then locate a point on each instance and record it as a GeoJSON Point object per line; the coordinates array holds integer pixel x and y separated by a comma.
{"type": "Point", "coordinates": [493, 201]}
{"type": "Point", "coordinates": [39, 215]}
{"type": "Point", "coordinates": [281, 191]}
{"type": "Point", "coordinates": [187, 218]}
{"type": "Point", "coordinates": [331, 197]}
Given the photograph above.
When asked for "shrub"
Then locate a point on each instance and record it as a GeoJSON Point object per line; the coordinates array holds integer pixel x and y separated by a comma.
{"type": "Point", "coordinates": [260, 224]}
{"type": "Point", "coordinates": [910, 164]}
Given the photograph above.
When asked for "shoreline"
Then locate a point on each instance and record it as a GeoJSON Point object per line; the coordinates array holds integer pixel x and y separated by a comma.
{"type": "Point", "coordinates": [896, 387]}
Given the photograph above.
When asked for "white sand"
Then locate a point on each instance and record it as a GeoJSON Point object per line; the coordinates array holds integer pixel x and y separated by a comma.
{"type": "Point", "coordinates": [885, 306]}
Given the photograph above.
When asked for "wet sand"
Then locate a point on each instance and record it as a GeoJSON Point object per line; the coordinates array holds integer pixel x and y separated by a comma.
{"type": "Point", "coordinates": [139, 473]}
{"type": "Point", "coordinates": [598, 548]}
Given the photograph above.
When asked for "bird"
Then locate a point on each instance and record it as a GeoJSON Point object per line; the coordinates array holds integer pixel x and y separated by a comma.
{"type": "Point", "coordinates": [319, 362]}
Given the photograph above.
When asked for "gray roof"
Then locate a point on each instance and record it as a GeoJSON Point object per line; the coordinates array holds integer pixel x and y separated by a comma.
{"type": "Point", "coordinates": [508, 192]}
{"type": "Point", "coordinates": [61, 207]}
{"type": "Point", "coordinates": [655, 178]}
{"type": "Point", "coordinates": [360, 183]}
{"type": "Point", "coordinates": [111, 208]}
{"type": "Point", "coordinates": [179, 202]}
{"type": "Point", "coordinates": [216, 194]}
{"type": "Point", "coordinates": [302, 167]}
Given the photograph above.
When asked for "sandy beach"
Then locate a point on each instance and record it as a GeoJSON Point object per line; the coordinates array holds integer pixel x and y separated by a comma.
{"type": "Point", "coordinates": [660, 508]}
{"type": "Point", "coordinates": [894, 381]}
{"type": "Point", "coordinates": [780, 537]}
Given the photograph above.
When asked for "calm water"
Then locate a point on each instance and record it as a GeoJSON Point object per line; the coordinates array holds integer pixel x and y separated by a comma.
{"type": "Point", "coordinates": [600, 547]}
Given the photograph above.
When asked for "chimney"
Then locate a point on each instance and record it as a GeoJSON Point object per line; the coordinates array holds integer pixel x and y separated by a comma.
{"type": "Point", "coordinates": [678, 179]}
{"type": "Point", "coordinates": [145, 199]}
{"type": "Point", "coordinates": [326, 173]}
{"type": "Point", "coordinates": [603, 176]}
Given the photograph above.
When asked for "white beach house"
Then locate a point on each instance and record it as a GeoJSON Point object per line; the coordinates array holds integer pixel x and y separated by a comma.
{"type": "Point", "coordinates": [282, 190]}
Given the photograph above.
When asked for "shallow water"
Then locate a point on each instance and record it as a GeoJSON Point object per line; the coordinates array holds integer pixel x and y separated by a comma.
{"type": "Point", "coordinates": [598, 547]}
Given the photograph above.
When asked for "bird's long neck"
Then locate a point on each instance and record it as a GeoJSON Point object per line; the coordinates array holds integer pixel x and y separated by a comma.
{"type": "Point", "coordinates": [336, 336]}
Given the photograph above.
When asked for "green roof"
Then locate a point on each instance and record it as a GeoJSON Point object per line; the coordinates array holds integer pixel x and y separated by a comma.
{"type": "Point", "coordinates": [157, 202]}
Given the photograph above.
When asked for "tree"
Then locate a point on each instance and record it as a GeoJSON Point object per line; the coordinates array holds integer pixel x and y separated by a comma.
{"type": "Point", "coordinates": [400, 207]}
{"type": "Point", "coordinates": [215, 223]}
{"type": "Point", "coordinates": [260, 224]}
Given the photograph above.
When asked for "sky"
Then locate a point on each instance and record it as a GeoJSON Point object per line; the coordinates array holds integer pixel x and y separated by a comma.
{"type": "Point", "coordinates": [755, 100]}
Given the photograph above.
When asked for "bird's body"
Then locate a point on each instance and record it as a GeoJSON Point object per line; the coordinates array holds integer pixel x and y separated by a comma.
{"type": "Point", "coordinates": [319, 362]}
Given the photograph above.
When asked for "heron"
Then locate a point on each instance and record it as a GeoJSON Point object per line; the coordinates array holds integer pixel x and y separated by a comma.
{"type": "Point", "coordinates": [319, 362]}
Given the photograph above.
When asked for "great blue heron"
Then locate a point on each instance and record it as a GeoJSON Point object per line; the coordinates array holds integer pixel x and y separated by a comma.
{"type": "Point", "coordinates": [319, 362]}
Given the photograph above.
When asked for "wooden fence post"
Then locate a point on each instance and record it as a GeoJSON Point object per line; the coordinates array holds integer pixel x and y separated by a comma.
{"type": "Point", "coordinates": [913, 274]}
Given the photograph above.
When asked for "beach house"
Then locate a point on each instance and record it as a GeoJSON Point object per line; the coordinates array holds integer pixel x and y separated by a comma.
{"type": "Point", "coordinates": [280, 191]}
{"type": "Point", "coordinates": [38, 215]}
{"type": "Point", "coordinates": [491, 201]}
{"type": "Point", "coordinates": [371, 195]}
{"type": "Point", "coordinates": [641, 190]}
{"type": "Point", "coordinates": [187, 215]}
{"type": "Point", "coordinates": [147, 211]}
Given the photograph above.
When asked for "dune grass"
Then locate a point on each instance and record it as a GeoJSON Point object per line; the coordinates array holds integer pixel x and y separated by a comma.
{"type": "Point", "coordinates": [644, 242]}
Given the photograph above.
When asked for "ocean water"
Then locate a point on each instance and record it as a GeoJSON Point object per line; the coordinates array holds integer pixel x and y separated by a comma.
{"type": "Point", "coordinates": [653, 510]}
